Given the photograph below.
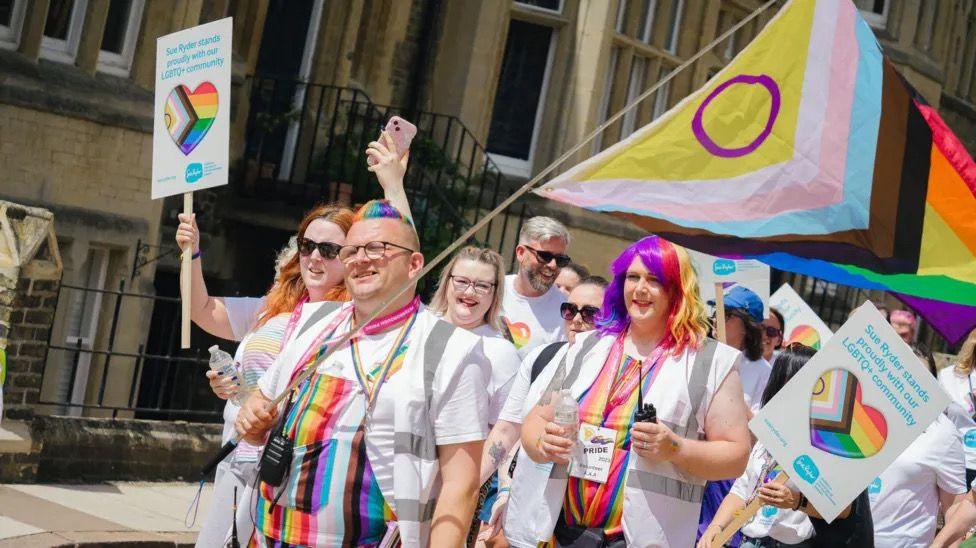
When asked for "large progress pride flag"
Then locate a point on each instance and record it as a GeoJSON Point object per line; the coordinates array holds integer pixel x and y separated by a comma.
{"type": "Point", "coordinates": [811, 153]}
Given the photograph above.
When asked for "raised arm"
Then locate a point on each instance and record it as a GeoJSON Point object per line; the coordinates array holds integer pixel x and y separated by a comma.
{"type": "Point", "coordinates": [390, 169]}
{"type": "Point", "coordinates": [207, 312]}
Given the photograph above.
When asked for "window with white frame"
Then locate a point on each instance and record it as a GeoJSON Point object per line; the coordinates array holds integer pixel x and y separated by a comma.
{"type": "Point", "coordinates": [62, 29]}
{"type": "Point", "coordinates": [553, 6]}
{"type": "Point", "coordinates": [674, 24]}
{"type": "Point", "coordinates": [621, 23]}
{"type": "Point", "coordinates": [648, 7]}
{"type": "Point", "coordinates": [662, 95]}
{"type": "Point", "coordinates": [517, 111]}
{"type": "Point", "coordinates": [875, 12]}
{"type": "Point", "coordinates": [11, 21]}
{"type": "Point", "coordinates": [635, 86]}
{"type": "Point", "coordinates": [605, 102]}
{"type": "Point", "coordinates": [119, 38]}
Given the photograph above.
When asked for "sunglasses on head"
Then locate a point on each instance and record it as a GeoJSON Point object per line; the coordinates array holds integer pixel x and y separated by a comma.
{"type": "Point", "coordinates": [327, 250]}
{"type": "Point", "coordinates": [545, 257]}
{"type": "Point", "coordinates": [587, 313]}
{"type": "Point", "coordinates": [771, 331]}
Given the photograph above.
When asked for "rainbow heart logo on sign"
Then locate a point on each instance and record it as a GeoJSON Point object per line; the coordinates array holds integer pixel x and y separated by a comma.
{"type": "Point", "coordinates": [190, 114]}
{"type": "Point", "coordinates": [805, 335]}
{"type": "Point", "coordinates": [840, 423]}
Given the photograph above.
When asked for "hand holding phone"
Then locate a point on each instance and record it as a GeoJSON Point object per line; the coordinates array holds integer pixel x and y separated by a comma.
{"type": "Point", "coordinates": [401, 132]}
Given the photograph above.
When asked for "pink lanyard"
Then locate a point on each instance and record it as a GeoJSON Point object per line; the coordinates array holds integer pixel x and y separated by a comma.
{"type": "Point", "coordinates": [322, 341]}
{"type": "Point", "coordinates": [622, 386]}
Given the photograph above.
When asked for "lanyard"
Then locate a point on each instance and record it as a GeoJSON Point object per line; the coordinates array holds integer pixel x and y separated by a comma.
{"type": "Point", "coordinates": [372, 381]}
{"type": "Point", "coordinates": [624, 385]}
{"type": "Point", "coordinates": [321, 343]}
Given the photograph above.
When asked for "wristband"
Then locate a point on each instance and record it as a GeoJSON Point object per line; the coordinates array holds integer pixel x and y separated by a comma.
{"type": "Point", "coordinates": [196, 255]}
{"type": "Point", "coordinates": [503, 490]}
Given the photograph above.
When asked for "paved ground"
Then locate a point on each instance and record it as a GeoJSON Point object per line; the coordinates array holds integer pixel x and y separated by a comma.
{"type": "Point", "coordinates": [116, 512]}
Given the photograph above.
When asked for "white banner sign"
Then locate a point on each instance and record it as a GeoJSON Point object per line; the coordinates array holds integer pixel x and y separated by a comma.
{"type": "Point", "coordinates": [191, 114]}
{"type": "Point", "coordinates": [753, 275]}
{"type": "Point", "coordinates": [801, 323]}
{"type": "Point", "coordinates": [849, 412]}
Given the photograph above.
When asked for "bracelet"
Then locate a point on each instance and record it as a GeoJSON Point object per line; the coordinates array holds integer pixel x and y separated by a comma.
{"type": "Point", "coordinates": [196, 255]}
{"type": "Point", "coordinates": [503, 490]}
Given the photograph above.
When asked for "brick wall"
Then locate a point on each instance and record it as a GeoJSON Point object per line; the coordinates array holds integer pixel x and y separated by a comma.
{"type": "Point", "coordinates": [33, 305]}
{"type": "Point", "coordinates": [51, 158]}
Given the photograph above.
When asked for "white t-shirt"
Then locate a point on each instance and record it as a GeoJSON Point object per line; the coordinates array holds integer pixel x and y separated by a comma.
{"type": "Point", "coordinates": [905, 497]}
{"type": "Point", "coordinates": [517, 407]}
{"type": "Point", "coordinates": [461, 398]}
{"type": "Point", "coordinates": [532, 321]}
{"type": "Point", "coordinates": [242, 312]}
{"type": "Point", "coordinates": [786, 526]}
{"type": "Point", "coordinates": [958, 388]}
{"type": "Point", "coordinates": [755, 375]}
{"type": "Point", "coordinates": [504, 361]}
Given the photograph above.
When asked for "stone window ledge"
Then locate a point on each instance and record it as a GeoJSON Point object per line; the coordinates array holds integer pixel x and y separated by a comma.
{"type": "Point", "coordinates": [67, 90]}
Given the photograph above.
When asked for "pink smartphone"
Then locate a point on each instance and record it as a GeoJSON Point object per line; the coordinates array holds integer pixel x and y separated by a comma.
{"type": "Point", "coordinates": [402, 133]}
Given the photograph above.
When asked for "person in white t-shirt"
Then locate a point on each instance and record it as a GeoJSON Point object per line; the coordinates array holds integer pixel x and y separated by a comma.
{"type": "Point", "coordinates": [959, 381]}
{"type": "Point", "coordinates": [579, 313]}
{"type": "Point", "coordinates": [530, 305]}
{"type": "Point", "coordinates": [395, 419]}
{"type": "Point", "coordinates": [314, 274]}
{"type": "Point", "coordinates": [743, 331]}
{"type": "Point", "coordinates": [771, 526]}
{"type": "Point", "coordinates": [907, 496]}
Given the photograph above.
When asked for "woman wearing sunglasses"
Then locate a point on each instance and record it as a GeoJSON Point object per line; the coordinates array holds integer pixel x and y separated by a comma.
{"type": "Point", "coordinates": [649, 345]}
{"type": "Point", "coordinates": [303, 282]}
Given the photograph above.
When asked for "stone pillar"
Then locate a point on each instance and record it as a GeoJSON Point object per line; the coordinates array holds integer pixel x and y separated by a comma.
{"type": "Point", "coordinates": [30, 274]}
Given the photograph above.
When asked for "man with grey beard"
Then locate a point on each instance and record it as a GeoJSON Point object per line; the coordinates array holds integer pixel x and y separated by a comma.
{"type": "Point", "coordinates": [530, 303]}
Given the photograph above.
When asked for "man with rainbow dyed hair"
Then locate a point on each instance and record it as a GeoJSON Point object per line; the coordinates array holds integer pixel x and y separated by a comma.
{"type": "Point", "coordinates": [388, 431]}
{"type": "Point", "coordinates": [650, 346]}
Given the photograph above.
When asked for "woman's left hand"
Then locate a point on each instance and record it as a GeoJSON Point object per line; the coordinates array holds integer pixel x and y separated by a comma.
{"type": "Point", "coordinates": [653, 441]}
{"type": "Point", "coordinates": [778, 495]}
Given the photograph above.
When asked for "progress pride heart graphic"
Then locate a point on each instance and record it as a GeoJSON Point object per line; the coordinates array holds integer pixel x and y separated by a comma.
{"type": "Point", "coordinates": [189, 115]}
{"type": "Point", "coordinates": [840, 423]}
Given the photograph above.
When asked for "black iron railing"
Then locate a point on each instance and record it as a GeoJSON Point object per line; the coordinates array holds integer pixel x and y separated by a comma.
{"type": "Point", "coordinates": [123, 369]}
{"type": "Point", "coordinates": [305, 142]}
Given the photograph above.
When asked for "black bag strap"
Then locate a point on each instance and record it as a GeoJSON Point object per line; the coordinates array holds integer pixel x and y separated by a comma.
{"type": "Point", "coordinates": [543, 359]}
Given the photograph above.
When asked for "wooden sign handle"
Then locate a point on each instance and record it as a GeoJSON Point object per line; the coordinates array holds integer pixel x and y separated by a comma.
{"type": "Point", "coordinates": [186, 279]}
{"type": "Point", "coordinates": [719, 312]}
{"type": "Point", "coordinates": [743, 516]}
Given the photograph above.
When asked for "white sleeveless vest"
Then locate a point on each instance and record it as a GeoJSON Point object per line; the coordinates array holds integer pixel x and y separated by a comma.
{"type": "Point", "coordinates": [661, 503]}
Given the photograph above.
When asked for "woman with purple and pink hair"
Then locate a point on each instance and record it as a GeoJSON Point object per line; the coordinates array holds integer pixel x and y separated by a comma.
{"type": "Point", "coordinates": [642, 482]}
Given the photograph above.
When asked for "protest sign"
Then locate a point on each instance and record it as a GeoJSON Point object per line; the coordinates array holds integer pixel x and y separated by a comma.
{"type": "Point", "coordinates": [800, 323]}
{"type": "Point", "coordinates": [849, 412]}
{"type": "Point", "coordinates": [713, 270]}
{"type": "Point", "coordinates": [191, 114]}
{"type": "Point", "coordinates": [191, 123]}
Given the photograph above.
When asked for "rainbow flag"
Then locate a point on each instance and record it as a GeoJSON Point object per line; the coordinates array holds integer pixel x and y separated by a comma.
{"type": "Point", "coordinates": [809, 152]}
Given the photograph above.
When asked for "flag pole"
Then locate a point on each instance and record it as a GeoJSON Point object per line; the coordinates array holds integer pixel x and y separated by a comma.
{"type": "Point", "coordinates": [743, 516]}
{"type": "Point", "coordinates": [186, 280]}
{"type": "Point", "coordinates": [719, 312]}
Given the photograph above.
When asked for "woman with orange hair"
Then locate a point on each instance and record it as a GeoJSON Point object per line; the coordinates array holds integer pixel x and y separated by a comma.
{"type": "Point", "coordinates": [634, 480]}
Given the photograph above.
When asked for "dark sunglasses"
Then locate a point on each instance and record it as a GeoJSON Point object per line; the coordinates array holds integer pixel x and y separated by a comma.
{"type": "Point", "coordinates": [545, 257]}
{"type": "Point", "coordinates": [772, 332]}
{"type": "Point", "coordinates": [587, 313]}
{"type": "Point", "coordinates": [327, 250]}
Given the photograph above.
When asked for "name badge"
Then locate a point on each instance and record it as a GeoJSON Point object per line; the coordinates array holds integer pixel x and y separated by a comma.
{"type": "Point", "coordinates": [592, 459]}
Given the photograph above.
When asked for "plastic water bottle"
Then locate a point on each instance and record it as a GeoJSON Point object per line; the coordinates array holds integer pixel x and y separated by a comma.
{"type": "Point", "coordinates": [567, 413]}
{"type": "Point", "coordinates": [223, 363]}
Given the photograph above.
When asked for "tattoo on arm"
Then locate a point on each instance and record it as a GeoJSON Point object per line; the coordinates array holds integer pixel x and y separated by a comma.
{"type": "Point", "coordinates": [496, 452]}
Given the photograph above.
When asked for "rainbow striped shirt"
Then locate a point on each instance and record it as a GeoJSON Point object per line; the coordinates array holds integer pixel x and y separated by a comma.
{"type": "Point", "coordinates": [260, 348]}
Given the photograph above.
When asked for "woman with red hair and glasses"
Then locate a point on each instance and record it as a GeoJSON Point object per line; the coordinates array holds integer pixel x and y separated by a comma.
{"type": "Point", "coordinates": [643, 481]}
